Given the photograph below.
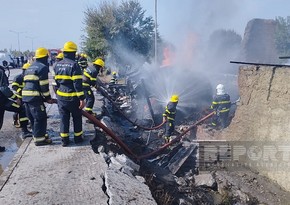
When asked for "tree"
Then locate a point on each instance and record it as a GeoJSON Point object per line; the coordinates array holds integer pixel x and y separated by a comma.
{"type": "Point", "coordinates": [223, 46]}
{"type": "Point", "coordinates": [121, 33]}
{"type": "Point", "coordinates": [282, 37]}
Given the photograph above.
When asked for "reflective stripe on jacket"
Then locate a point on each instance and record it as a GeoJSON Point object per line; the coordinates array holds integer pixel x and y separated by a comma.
{"type": "Point", "coordinates": [36, 84]}
{"type": "Point", "coordinates": [18, 85]}
{"type": "Point", "coordinates": [221, 103]}
{"type": "Point", "coordinates": [170, 111]}
{"type": "Point", "coordinates": [90, 76]}
{"type": "Point", "coordinates": [68, 77]}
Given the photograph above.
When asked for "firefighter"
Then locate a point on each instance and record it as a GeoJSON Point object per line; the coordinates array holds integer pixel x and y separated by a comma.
{"type": "Point", "coordinates": [83, 62]}
{"type": "Point", "coordinates": [17, 86]}
{"type": "Point", "coordinates": [169, 117]}
{"type": "Point", "coordinates": [10, 102]}
{"type": "Point", "coordinates": [90, 80]}
{"type": "Point", "coordinates": [114, 79]}
{"type": "Point", "coordinates": [70, 94]}
{"type": "Point", "coordinates": [221, 105]}
{"type": "Point", "coordinates": [35, 93]}
{"type": "Point", "coordinates": [58, 58]}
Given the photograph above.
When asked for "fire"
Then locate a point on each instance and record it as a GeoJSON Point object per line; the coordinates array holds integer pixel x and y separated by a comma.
{"type": "Point", "coordinates": [186, 55]}
{"type": "Point", "coordinates": [168, 57]}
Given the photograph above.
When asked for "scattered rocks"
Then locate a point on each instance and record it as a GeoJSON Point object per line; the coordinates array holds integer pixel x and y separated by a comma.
{"type": "Point", "coordinates": [205, 180]}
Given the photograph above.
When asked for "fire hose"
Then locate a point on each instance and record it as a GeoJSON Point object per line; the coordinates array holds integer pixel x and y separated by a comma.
{"type": "Point", "coordinates": [104, 93]}
{"type": "Point", "coordinates": [127, 149]}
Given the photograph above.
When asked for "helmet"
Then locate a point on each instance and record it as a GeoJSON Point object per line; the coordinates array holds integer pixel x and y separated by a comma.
{"type": "Point", "coordinates": [99, 62]}
{"type": "Point", "coordinates": [85, 55]}
{"type": "Point", "coordinates": [41, 52]}
{"type": "Point", "coordinates": [114, 73]}
{"type": "Point", "coordinates": [220, 89]}
{"type": "Point", "coordinates": [5, 63]}
{"type": "Point", "coordinates": [174, 98]}
{"type": "Point", "coordinates": [59, 56]}
{"type": "Point", "coordinates": [70, 47]}
{"type": "Point", "coordinates": [82, 55]}
{"type": "Point", "coordinates": [25, 66]}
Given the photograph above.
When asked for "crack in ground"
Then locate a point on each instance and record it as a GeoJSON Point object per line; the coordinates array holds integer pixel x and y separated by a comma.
{"type": "Point", "coordinates": [104, 188]}
{"type": "Point", "coordinates": [270, 83]}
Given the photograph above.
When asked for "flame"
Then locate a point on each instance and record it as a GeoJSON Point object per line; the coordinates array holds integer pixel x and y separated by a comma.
{"type": "Point", "coordinates": [186, 55]}
{"type": "Point", "coordinates": [168, 57]}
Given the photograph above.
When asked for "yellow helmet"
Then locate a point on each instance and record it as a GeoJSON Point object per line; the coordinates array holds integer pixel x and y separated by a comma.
{"type": "Point", "coordinates": [59, 56]}
{"type": "Point", "coordinates": [41, 52]}
{"type": "Point", "coordinates": [25, 66]}
{"type": "Point", "coordinates": [85, 55]}
{"type": "Point", "coordinates": [174, 98]}
{"type": "Point", "coordinates": [114, 73]}
{"type": "Point", "coordinates": [82, 55]}
{"type": "Point", "coordinates": [70, 47]}
{"type": "Point", "coordinates": [99, 62]}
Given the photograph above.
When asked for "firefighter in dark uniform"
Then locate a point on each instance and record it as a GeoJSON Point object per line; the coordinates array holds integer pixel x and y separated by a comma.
{"type": "Point", "coordinates": [114, 79]}
{"type": "Point", "coordinates": [17, 86]}
{"type": "Point", "coordinates": [169, 117]}
{"type": "Point", "coordinates": [90, 80]}
{"type": "Point", "coordinates": [10, 102]}
{"type": "Point", "coordinates": [35, 93]}
{"type": "Point", "coordinates": [221, 105]}
{"type": "Point", "coordinates": [70, 94]}
{"type": "Point", "coordinates": [58, 58]}
{"type": "Point", "coordinates": [83, 62]}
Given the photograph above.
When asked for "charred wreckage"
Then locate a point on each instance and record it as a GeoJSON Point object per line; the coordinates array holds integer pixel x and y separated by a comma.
{"type": "Point", "coordinates": [131, 119]}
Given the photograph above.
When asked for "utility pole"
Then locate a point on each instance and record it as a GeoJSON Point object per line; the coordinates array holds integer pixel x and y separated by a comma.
{"type": "Point", "coordinates": [18, 33]}
{"type": "Point", "coordinates": [32, 38]}
{"type": "Point", "coordinates": [155, 40]}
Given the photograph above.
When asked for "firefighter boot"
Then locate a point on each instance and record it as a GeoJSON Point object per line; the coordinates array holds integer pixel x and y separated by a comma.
{"type": "Point", "coordinates": [65, 141]}
{"type": "Point", "coordinates": [46, 141]}
{"type": "Point", "coordinates": [78, 139]}
{"type": "Point", "coordinates": [25, 133]}
{"type": "Point", "coordinates": [167, 139]}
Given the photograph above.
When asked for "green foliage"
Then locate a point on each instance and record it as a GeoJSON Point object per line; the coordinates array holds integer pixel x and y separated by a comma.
{"type": "Point", "coordinates": [223, 46]}
{"type": "Point", "coordinates": [119, 32]}
{"type": "Point", "coordinates": [226, 39]}
{"type": "Point", "coordinates": [282, 37]}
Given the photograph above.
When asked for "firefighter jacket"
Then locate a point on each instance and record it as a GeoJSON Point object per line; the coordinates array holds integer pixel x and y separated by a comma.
{"type": "Point", "coordinates": [18, 85]}
{"type": "Point", "coordinates": [170, 111]}
{"type": "Point", "coordinates": [5, 91]}
{"type": "Point", "coordinates": [114, 80]}
{"type": "Point", "coordinates": [36, 85]}
{"type": "Point", "coordinates": [90, 76]}
{"type": "Point", "coordinates": [221, 103]}
{"type": "Point", "coordinates": [68, 77]}
{"type": "Point", "coordinates": [83, 62]}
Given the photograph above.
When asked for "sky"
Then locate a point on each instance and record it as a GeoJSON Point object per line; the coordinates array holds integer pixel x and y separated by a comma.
{"type": "Point", "coordinates": [51, 23]}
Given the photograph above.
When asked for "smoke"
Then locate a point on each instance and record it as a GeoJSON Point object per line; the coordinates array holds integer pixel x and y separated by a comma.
{"type": "Point", "coordinates": [201, 56]}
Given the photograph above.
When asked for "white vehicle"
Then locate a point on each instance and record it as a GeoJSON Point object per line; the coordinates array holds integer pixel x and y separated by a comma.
{"type": "Point", "coordinates": [4, 56]}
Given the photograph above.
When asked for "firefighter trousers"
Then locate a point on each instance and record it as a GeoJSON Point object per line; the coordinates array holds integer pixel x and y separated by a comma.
{"type": "Point", "coordinates": [67, 108]}
{"type": "Point", "coordinates": [220, 120]}
{"type": "Point", "coordinates": [169, 128]}
{"type": "Point", "coordinates": [12, 106]}
{"type": "Point", "coordinates": [38, 118]}
{"type": "Point", "coordinates": [90, 99]}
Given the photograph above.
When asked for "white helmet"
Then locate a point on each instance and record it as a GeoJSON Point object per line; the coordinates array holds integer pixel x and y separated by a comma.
{"type": "Point", "coordinates": [220, 89]}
